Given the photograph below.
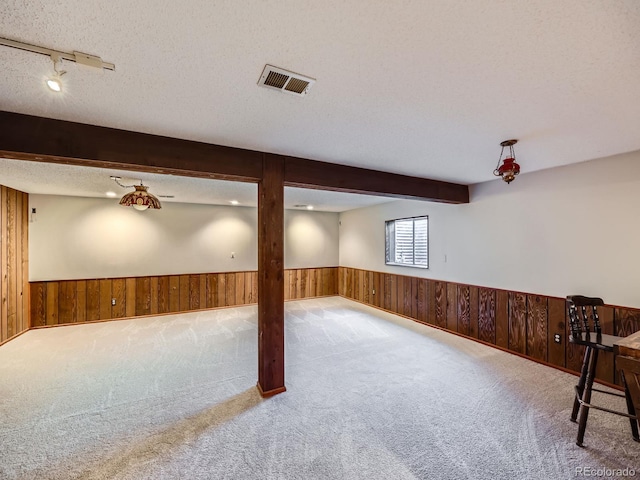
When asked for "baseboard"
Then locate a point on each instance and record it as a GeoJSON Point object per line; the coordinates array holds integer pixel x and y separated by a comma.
{"type": "Point", "coordinates": [270, 393]}
{"type": "Point", "coordinates": [14, 336]}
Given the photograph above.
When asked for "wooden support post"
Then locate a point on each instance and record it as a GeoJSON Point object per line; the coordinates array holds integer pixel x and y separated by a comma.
{"type": "Point", "coordinates": [271, 277]}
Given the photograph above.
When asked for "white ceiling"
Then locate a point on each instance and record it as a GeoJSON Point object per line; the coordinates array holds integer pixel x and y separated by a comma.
{"type": "Point", "coordinates": [426, 88]}
{"type": "Point", "coordinates": [58, 179]}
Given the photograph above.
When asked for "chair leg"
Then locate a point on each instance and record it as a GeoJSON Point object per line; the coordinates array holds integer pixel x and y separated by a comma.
{"type": "Point", "coordinates": [631, 409]}
{"type": "Point", "coordinates": [581, 382]}
{"type": "Point", "coordinates": [586, 396]}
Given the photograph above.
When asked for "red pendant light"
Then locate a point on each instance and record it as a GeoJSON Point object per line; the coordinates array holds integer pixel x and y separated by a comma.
{"type": "Point", "coordinates": [509, 168]}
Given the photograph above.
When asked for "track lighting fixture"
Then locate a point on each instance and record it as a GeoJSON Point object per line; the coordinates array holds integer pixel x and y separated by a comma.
{"type": "Point", "coordinates": [55, 81]}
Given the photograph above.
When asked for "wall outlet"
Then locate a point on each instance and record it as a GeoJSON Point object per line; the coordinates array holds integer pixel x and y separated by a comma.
{"type": "Point", "coordinates": [113, 302]}
{"type": "Point", "coordinates": [557, 338]}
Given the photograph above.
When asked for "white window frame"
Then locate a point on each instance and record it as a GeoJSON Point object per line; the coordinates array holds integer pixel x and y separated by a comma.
{"type": "Point", "coordinates": [391, 258]}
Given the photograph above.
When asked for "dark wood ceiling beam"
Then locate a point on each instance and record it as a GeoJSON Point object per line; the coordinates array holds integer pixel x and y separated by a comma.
{"type": "Point", "coordinates": [300, 172]}
{"type": "Point", "coordinates": [27, 137]}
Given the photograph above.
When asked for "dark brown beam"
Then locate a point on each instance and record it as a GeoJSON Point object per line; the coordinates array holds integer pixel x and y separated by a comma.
{"type": "Point", "coordinates": [27, 137]}
{"type": "Point", "coordinates": [34, 138]}
{"type": "Point", "coordinates": [271, 277]}
{"type": "Point", "coordinates": [300, 172]}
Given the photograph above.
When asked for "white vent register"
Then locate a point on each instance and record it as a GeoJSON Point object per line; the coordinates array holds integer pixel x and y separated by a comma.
{"type": "Point", "coordinates": [285, 81]}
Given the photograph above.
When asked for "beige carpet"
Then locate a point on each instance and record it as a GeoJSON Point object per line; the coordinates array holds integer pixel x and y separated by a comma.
{"type": "Point", "coordinates": [370, 396]}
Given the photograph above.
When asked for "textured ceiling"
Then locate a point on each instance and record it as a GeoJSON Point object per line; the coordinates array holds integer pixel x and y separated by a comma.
{"type": "Point", "coordinates": [426, 88]}
{"type": "Point", "coordinates": [71, 180]}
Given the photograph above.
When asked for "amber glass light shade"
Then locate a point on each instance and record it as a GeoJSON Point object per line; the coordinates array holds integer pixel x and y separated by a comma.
{"type": "Point", "coordinates": [140, 199]}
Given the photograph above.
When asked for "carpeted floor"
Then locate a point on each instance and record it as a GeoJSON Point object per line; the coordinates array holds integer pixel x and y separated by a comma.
{"type": "Point", "coordinates": [369, 396]}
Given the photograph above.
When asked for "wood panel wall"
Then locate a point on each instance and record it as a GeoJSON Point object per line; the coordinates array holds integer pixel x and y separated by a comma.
{"type": "Point", "coordinates": [519, 322]}
{"type": "Point", "coordinates": [14, 262]}
{"type": "Point", "coordinates": [76, 301]}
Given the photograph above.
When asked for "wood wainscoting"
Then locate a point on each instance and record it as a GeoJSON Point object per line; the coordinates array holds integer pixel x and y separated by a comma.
{"type": "Point", "coordinates": [59, 302]}
{"type": "Point", "coordinates": [522, 323]}
{"type": "Point", "coordinates": [14, 262]}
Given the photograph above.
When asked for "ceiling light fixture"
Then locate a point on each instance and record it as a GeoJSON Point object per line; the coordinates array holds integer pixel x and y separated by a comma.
{"type": "Point", "coordinates": [140, 198]}
{"type": "Point", "coordinates": [234, 202]}
{"type": "Point", "coordinates": [509, 168]}
{"type": "Point", "coordinates": [54, 82]}
{"type": "Point", "coordinates": [111, 194]}
{"type": "Point", "coordinates": [309, 207]}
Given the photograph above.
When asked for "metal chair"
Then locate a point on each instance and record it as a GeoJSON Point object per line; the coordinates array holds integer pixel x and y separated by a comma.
{"type": "Point", "coordinates": [581, 311]}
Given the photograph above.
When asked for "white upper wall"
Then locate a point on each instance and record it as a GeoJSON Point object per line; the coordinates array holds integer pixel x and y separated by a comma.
{"type": "Point", "coordinates": [567, 230]}
{"type": "Point", "coordinates": [78, 237]}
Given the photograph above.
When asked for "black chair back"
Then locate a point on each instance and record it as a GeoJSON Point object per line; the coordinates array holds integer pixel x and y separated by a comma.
{"type": "Point", "coordinates": [581, 310]}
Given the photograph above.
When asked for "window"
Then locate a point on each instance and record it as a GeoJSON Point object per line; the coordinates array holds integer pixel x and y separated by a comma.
{"type": "Point", "coordinates": [407, 242]}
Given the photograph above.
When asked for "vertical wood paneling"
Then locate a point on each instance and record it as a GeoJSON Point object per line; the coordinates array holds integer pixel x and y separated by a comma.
{"type": "Point", "coordinates": [4, 274]}
{"type": "Point", "coordinates": [422, 307]}
{"type": "Point", "coordinates": [240, 289]}
{"type": "Point", "coordinates": [18, 322]}
{"type": "Point", "coordinates": [556, 351]}
{"type": "Point", "coordinates": [518, 322]}
{"type": "Point", "coordinates": [38, 305]}
{"type": "Point", "coordinates": [174, 293]}
{"type": "Point", "coordinates": [194, 292]}
{"type": "Point", "coordinates": [440, 304]}
{"type": "Point", "coordinates": [349, 287]}
{"type": "Point", "coordinates": [487, 315]}
{"type": "Point", "coordinates": [24, 233]}
{"type": "Point", "coordinates": [222, 289]}
{"type": "Point", "coordinates": [93, 300]}
{"type": "Point", "coordinates": [183, 293]}
{"type": "Point", "coordinates": [410, 287]}
{"type": "Point", "coordinates": [254, 287]}
{"type": "Point", "coordinates": [393, 291]}
{"type": "Point", "coordinates": [463, 307]}
{"type": "Point", "coordinates": [627, 321]}
{"type": "Point", "coordinates": [164, 289]}
{"type": "Point", "coordinates": [81, 301]}
{"type": "Point", "coordinates": [473, 311]}
{"type": "Point", "coordinates": [11, 265]}
{"type": "Point", "coordinates": [105, 298]}
{"type": "Point", "coordinates": [143, 296]}
{"type": "Point", "coordinates": [537, 327]}
{"type": "Point", "coordinates": [414, 297]}
{"type": "Point", "coordinates": [203, 291]}
{"type": "Point", "coordinates": [131, 295]}
{"type": "Point", "coordinates": [452, 307]}
{"type": "Point", "coordinates": [502, 318]}
{"type": "Point", "coordinates": [88, 300]}
{"type": "Point", "coordinates": [52, 303]}
{"type": "Point", "coordinates": [375, 289]}
{"type": "Point", "coordinates": [366, 287]}
{"type": "Point", "coordinates": [66, 302]}
{"type": "Point", "coordinates": [119, 292]}
{"type": "Point", "coordinates": [605, 368]}
{"type": "Point", "coordinates": [300, 284]}
{"type": "Point", "coordinates": [212, 290]}
{"type": "Point", "coordinates": [399, 294]}
{"type": "Point", "coordinates": [230, 286]}
{"type": "Point", "coordinates": [360, 285]}
{"type": "Point", "coordinates": [386, 304]}
{"type": "Point", "coordinates": [155, 285]}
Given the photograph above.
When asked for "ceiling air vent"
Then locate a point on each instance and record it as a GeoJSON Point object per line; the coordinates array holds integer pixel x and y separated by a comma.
{"type": "Point", "coordinates": [285, 81]}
